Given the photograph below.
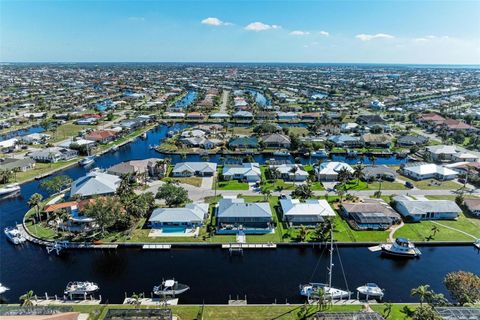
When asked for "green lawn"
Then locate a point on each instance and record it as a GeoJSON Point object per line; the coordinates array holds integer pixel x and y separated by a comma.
{"type": "Point", "coordinates": [40, 169]}
{"type": "Point", "coordinates": [432, 184]}
{"type": "Point", "coordinates": [249, 312]}
{"type": "Point", "coordinates": [232, 185]}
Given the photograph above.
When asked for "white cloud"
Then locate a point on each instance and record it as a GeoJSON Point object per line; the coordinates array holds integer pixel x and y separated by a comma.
{"type": "Point", "coordinates": [211, 21]}
{"type": "Point", "coordinates": [324, 33]}
{"type": "Point", "coordinates": [299, 33]}
{"type": "Point", "coordinates": [260, 26]}
{"type": "Point", "coordinates": [368, 37]}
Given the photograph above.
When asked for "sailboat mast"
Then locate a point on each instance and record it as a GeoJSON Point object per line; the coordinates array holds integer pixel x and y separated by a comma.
{"type": "Point", "coordinates": [330, 269]}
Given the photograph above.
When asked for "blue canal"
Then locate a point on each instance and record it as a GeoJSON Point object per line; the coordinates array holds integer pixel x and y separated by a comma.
{"type": "Point", "coordinates": [211, 272]}
{"type": "Point", "coordinates": [21, 132]}
{"type": "Point", "coordinates": [186, 101]}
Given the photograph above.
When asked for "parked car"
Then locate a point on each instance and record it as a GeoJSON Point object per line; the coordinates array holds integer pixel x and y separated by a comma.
{"type": "Point", "coordinates": [409, 185]}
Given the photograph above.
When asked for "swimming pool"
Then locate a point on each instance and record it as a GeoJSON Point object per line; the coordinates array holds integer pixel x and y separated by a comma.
{"type": "Point", "coordinates": [174, 229]}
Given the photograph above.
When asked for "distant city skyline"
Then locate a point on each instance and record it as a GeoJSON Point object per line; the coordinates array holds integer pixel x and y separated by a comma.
{"type": "Point", "coordinates": [391, 31]}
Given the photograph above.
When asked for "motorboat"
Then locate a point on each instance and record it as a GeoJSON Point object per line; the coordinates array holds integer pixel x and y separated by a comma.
{"type": "Point", "coordinates": [9, 189]}
{"type": "Point", "coordinates": [321, 153]}
{"type": "Point", "coordinates": [81, 288]}
{"type": "Point", "coordinates": [87, 161]}
{"type": "Point", "coordinates": [144, 135]}
{"type": "Point", "coordinates": [352, 153]}
{"type": "Point", "coordinates": [3, 289]}
{"type": "Point", "coordinates": [477, 244]}
{"type": "Point", "coordinates": [311, 290]}
{"type": "Point", "coordinates": [371, 290]}
{"type": "Point", "coordinates": [401, 247]}
{"type": "Point", "coordinates": [114, 148]}
{"type": "Point", "coordinates": [281, 153]}
{"type": "Point", "coordinates": [14, 235]}
{"type": "Point", "coordinates": [170, 288]}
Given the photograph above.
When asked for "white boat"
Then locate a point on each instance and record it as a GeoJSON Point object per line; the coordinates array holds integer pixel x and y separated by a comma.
{"type": "Point", "coordinates": [477, 244]}
{"type": "Point", "coordinates": [401, 247]}
{"type": "Point", "coordinates": [281, 153]}
{"type": "Point", "coordinates": [144, 135]}
{"type": "Point", "coordinates": [14, 235]}
{"type": "Point", "coordinates": [81, 288]}
{"type": "Point", "coordinates": [114, 148]}
{"type": "Point", "coordinates": [9, 189]}
{"type": "Point", "coordinates": [3, 289]}
{"type": "Point", "coordinates": [87, 161]}
{"type": "Point", "coordinates": [321, 153]}
{"type": "Point", "coordinates": [371, 290]}
{"type": "Point", "coordinates": [170, 288]}
{"type": "Point", "coordinates": [310, 290]}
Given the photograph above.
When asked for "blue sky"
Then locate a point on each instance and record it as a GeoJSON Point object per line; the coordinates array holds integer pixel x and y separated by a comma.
{"type": "Point", "coordinates": [387, 31]}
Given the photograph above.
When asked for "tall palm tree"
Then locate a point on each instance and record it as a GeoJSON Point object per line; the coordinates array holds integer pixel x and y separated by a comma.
{"type": "Point", "coordinates": [34, 202]}
{"type": "Point", "coordinates": [303, 233]}
{"type": "Point", "coordinates": [27, 299]}
{"type": "Point", "coordinates": [423, 292]}
{"type": "Point", "coordinates": [358, 173]}
{"type": "Point", "coordinates": [372, 159]}
{"type": "Point", "coordinates": [293, 170]}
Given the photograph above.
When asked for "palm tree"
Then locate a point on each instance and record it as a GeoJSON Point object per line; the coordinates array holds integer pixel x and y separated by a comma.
{"type": "Point", "coordinates": [35, 201]}
{"type": "Point", "coordinates": [340, 191]}
{"type": "Point", "coordinates": [358, 173]}
{"type": "Point", "coordinates": [137, 299]}
{"type": "Point", "coordinates": [435, 230]}
{"type": "Point", "coordinates": [372, 159]}
{"type": "Point", "coordinates": [322, 300]}
{"type": "Point", "coordinates": [343, 175]}
{"type": "Point", "coordinates": [27, 299]}
{"type": "Point", "coordinates": [5, 176]}
{"type": "Point", "coordinates": [302, 235]}
{"type": "Point", "coordinates": [293, 170]}
{"type": "Point", "coordinates": [423, 292]}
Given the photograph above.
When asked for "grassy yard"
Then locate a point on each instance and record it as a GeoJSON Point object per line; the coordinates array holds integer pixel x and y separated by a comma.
{"type": "Point", "coordinates": [232, 185]}
{"type": "Point", "coordinates": [40, 169]}
{"type": "Point", "coordinates": [249, 312]}
{"type": "Point", "coordinates": [432, 184]}
{"type": "Point", "coordinates": [65, 131]}
{"type": "Point", "coordinates": [297, 131]}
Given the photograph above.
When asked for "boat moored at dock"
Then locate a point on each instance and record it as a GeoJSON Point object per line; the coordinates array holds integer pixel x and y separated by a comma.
{"type": "Point", "coordinates": [3, 289]}
{"type": "Point", "coordinates": [371, 290]}
{"type": "Point", "coordinates": [81, 288]}
{"type": "Point", "coordinates": [477, 244]}
{"type": "Point", "coordinates": [170, 288]}
{"type": "Point", "coordinates": [401, 247]}
{"type": "Point", "coordinates": [87, 161]}
{"type": "Point", "coordinates": [14, 235]}
{"type": "Point", "coordinates": [9, 189]}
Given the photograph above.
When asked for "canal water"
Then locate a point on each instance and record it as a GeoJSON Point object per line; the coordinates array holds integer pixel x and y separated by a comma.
{"type": "Point", "coordinates": [212, 273]}
{"type": "Point", "coordinates": [187, 100]}
{"type": "Point", "coordinates": [21, 132]}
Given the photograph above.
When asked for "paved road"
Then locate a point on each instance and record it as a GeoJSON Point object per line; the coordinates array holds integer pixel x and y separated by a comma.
{"type": "Point", "coordinates": [196, 193]}
{"type": "Point", "coordinates": [223, 106]}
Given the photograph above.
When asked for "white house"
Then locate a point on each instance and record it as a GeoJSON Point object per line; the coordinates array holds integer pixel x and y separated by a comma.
{"type": "Point", "coordinates": [191, 216]}
{"type": "Point", "coordinates": [286, 173]}
{"type": "Point", "coordinates": [442, 152]}
{"type": "Point", "coordinates": [95, 183]}
{"type": "Point", "coordinates": [249, 172]}
{"type": "Point", "coordinates": [188, 169]}
{"type": "Point", "coordinates": [429, 171]}
{"type": "Point", "coordinates": [417, 210]}
{"type": "Point", "coordinates": [53, 154]}
{"type": "Point", "coordinates": [328, 171]}
{"type": "Point", "coordinates": [310, 212]}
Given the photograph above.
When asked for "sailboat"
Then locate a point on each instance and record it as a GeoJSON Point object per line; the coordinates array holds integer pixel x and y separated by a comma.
{"type": "Point", "coordinates": [310, 290]}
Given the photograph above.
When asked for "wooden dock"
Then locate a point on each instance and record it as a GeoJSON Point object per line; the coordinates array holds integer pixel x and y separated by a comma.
{"type": "Point", "coordinates": [157, 246]}
{"type": "Point", "coordinates": [239, 246]}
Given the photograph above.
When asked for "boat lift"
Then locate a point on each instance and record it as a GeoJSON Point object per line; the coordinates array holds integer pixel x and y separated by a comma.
{"type": "Point", "coordinates": [57, 247]}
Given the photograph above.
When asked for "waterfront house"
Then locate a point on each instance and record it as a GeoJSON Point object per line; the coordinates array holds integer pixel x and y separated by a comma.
{"type": "Point", "coordinates": [188, 217]}
{"type": "Point", "coordinates": [442, 152]}
{"type": "Point", "coordinates": [276, 140]}
{"type": "Point", "coordinates": [152, 167]}
{"type": "Point", "coordinates": [287, 116]}
{"type": "Point", "coordinates": [373, 173]}
{"type": "Point", "coordinates": [243, 115]}
{"type": "Point", "coordinates": [430, 119]}
{"type": "Point", "coordinates": [201, 142]}
{"type": "Point", "coordinates": [220, 115]}
{"type": "Point", "coordinates": [35, 138]}
{"type": "Point", "coordinates": [349, 127]}
{"type": "Point", "coordinates": [188, 169]}
{"type": "Point", "coordinates": [53, 154]}
{"type": "Point", "coordinates": [422, 171]}
{"type": "Point", "coordinates": [464, 157]}
{"type": "Point", "coordinates": [328, 171]}
{"type": "Point", "coordinates": [9, 145]}
{"type": "Point", "coordinates": [243, 143]}
{"type": "Point", "coordinates": [308, 213]}
{"type": "Point", "coordinates": [234, 214]}
{"type": "Point", "coordinates": [195, 116]}
{"type": "Point", "coordinates": [13, 164]}
{"type": "Point", "coordinates": [174, 115]}
{"type": "Point", "coordinates": [410, 140]}
{"type": "Point", "coordinates": [286, 172]}
{"type": "Point", "coordinates": [344, 140]}
{"type": "Point", "coordinates": [249, 172]}
{"type": "Point", "coordinates": [381, 140]}
{"type": "Point", "coordinates": [86, 121]}
{"type": "Point", "coordinates": [101, 136]}
{"type": "Point", "coordinates": [77, 220]}
{"type": "Point", "coordinates": [369, 214]}
{"type": "Point", "coordinates": [473, 206]}
{"type": "Point", "coordinates": [416, 210]}
{"type": "Point", "coordinates": [95, 183]}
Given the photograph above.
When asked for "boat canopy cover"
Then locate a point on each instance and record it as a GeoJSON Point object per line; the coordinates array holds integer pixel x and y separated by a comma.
{"type": "Point", "coordinates": [169, 283]}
